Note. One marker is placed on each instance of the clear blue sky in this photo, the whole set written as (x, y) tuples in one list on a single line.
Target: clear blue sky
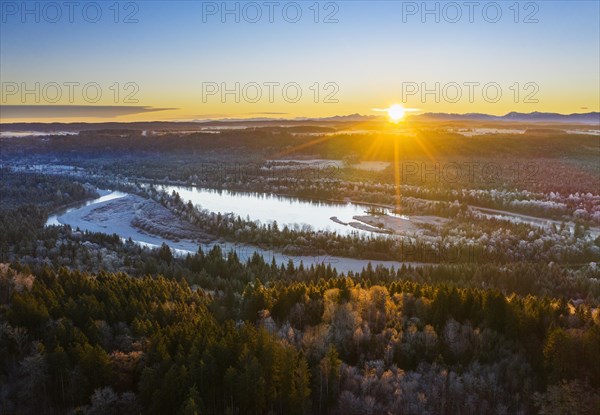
[(369, 53)]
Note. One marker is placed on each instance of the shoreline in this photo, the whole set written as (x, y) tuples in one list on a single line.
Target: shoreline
[(115, 218)]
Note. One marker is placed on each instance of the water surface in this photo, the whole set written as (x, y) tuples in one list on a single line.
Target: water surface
[(268, 208)]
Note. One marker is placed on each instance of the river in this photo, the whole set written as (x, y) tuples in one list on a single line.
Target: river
[(119, 223)]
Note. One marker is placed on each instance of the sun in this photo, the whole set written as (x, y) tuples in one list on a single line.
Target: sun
[(396, 112)]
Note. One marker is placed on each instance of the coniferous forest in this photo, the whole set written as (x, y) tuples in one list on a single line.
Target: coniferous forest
[(93, 324), (299, 207)]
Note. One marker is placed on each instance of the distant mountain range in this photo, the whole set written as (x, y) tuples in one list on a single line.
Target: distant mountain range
[(335, 118), (591, 118), (586, 118), (351, 117)]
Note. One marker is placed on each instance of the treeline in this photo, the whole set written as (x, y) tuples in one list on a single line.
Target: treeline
[(109, 343), (26, 201), (428, 191), (485, 241), (419, 143), (569, 164), (42, 190), (25, 239)]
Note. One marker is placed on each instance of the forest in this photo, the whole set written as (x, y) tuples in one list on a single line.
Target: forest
[(91, 324), (110, 343), (299, 208)]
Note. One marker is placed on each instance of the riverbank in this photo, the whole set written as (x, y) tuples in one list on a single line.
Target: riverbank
[(118, 216)]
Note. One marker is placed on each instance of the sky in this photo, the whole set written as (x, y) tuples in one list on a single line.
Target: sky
[(192, 60)]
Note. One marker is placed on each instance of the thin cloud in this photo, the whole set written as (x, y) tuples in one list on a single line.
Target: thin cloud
[(73, 111)]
